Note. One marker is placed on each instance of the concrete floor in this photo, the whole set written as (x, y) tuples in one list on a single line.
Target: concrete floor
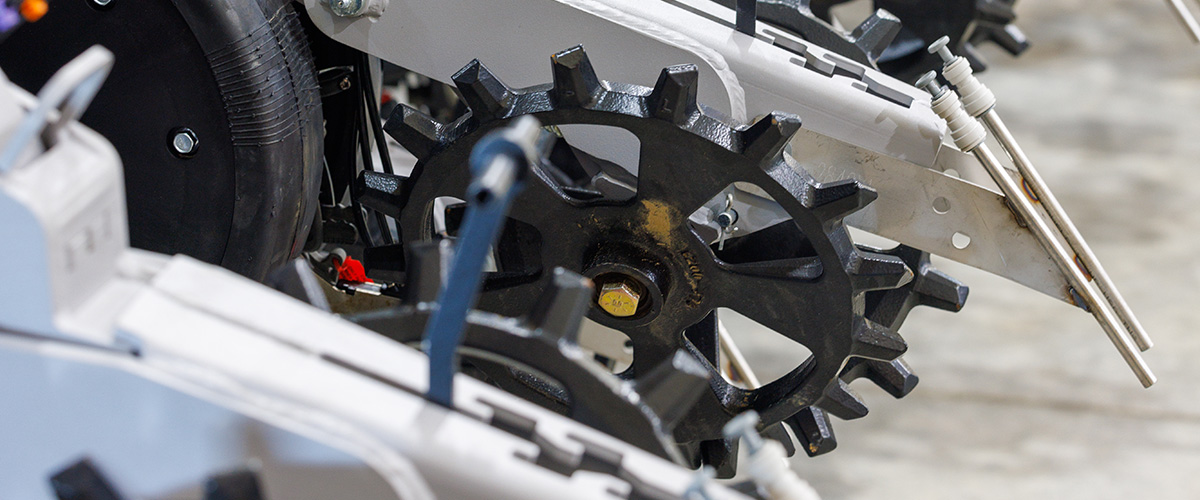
[(1022, 396)]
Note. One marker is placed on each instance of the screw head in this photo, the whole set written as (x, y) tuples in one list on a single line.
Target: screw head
[(618, 299), (184, 142), (102, 3), (346, 8)]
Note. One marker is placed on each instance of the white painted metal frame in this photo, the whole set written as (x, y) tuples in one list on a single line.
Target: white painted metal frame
[(165, 332), (846, 129)]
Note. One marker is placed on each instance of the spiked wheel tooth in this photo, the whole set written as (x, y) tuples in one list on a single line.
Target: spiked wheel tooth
[(380, 191), (1011, 39), (814, 431), (674, 96), (425, 270), (877, 271), (938, 289), (875, 33), (562, 306), (721, 454), (485, 94), (575, 82), (418, 132), (929, 287), (840, 401), (767, 137), (671, 388), (874, 341), (994, 23), (833, 201), (778, 433), (978, 63), (932, 287), (894, 376)]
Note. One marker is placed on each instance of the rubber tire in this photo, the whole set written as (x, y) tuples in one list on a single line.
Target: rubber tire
[(236, 72)]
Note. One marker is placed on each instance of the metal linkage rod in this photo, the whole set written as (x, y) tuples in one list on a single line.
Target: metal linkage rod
[(1185, 16), (969, 135), (498, 163), (981, 103), (737, 362), (1074, 239)]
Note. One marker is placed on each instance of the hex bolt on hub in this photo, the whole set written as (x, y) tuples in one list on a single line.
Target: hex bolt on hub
[(618, 299), (184, 142)]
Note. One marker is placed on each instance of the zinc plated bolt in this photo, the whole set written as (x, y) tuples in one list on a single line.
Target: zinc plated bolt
[(184, 142), (618, 299)]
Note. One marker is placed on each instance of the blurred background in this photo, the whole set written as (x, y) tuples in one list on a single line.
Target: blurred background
[(1024, 396)]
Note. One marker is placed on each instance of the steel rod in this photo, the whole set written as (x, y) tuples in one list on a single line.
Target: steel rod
[(1075, 276), (1074, 240), (1185, 16), (737, 362)]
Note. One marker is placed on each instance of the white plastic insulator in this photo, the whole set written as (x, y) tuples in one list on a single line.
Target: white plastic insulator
[(976, 97), (769, 470), (966, 131)]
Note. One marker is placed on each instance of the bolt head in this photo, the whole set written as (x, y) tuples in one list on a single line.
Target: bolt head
[(184, 142), (618, 299), (346, 8)]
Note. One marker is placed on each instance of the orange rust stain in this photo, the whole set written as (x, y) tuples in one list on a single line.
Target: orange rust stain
[(659, 221)]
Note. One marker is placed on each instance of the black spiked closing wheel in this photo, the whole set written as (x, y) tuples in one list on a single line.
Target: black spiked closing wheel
[(864, 44), (803, 278), (968, 23), (508, 351), (894, 37)]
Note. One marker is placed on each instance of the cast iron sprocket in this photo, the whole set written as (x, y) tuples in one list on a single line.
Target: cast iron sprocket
[(687, 157)]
